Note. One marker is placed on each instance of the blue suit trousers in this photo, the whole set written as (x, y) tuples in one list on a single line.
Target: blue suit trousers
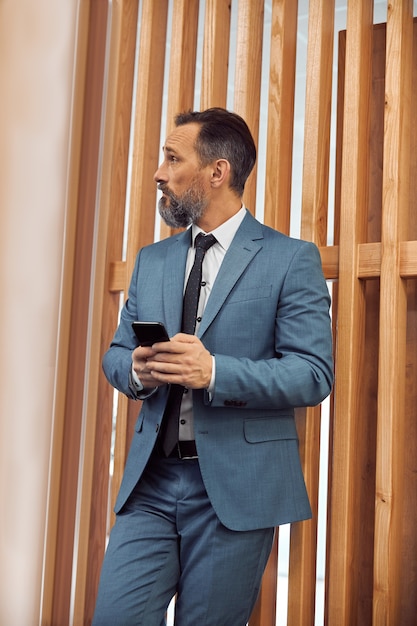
[(168, 540)]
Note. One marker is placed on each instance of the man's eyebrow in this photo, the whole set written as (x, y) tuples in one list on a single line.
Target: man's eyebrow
[(168, 149)]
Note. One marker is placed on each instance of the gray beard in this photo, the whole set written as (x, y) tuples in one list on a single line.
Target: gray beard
[(180, 212)]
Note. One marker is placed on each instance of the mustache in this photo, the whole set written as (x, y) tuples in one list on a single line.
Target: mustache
[(164, 188)]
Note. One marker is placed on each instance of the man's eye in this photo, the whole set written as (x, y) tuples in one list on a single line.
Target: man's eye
[(172, 158)]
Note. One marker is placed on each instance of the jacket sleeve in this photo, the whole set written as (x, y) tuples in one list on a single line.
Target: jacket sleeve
[(117, 361), (301, 372)]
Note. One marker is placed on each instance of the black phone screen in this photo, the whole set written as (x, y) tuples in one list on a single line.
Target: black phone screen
[(148, 333)]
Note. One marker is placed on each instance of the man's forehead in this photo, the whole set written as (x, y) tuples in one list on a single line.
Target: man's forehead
[(182, 138)]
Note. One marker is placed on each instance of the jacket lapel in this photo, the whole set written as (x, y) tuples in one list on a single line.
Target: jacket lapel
[(244, 247), (173, 281)]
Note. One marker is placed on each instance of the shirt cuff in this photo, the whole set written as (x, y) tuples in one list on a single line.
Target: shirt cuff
[(135, 380), (210, 388)]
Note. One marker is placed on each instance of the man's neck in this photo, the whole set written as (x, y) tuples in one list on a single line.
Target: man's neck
[(218, 212)]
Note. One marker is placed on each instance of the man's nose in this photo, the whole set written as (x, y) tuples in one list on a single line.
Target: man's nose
[(159, 174)]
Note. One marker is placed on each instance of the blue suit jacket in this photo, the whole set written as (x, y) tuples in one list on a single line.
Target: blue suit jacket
[(267, 323)]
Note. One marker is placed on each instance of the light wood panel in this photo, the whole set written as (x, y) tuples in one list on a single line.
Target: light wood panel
[(215, 54), (142, 198), (92, 526), (248, 77), (391, 433), (348, 454), (265, 609), (67, 450), (303, 553), (277, 202), (52, 571), (280, 114), (181, 82)]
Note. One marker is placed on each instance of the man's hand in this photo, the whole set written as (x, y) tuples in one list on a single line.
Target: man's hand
[(140, 358), (183, 361)]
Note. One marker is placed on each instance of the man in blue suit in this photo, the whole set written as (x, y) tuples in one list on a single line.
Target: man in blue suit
[(198, 520)]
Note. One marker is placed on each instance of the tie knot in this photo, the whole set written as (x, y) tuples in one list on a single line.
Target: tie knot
[(204, 241)]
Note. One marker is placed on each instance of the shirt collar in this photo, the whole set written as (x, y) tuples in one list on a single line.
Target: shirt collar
[(226, 231)]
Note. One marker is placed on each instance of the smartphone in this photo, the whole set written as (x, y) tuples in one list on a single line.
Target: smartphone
[(148, 333)]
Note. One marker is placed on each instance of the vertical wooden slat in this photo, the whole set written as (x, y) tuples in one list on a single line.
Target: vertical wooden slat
[(344, 520), (182, 66), (146, 149), (183, 58), (94, 468), (317, 121), (265, 610), (409, 535), (215, 54), (51, 566), (393, 314), (302, 571), (303, 538), (368, 406), (248, 77), (80, 258), (280, 114), (277, 204)]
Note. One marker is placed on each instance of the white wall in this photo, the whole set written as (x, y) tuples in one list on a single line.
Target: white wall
[(37, 44)]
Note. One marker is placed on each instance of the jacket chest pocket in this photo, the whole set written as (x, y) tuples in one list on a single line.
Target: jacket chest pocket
[(250, 293)]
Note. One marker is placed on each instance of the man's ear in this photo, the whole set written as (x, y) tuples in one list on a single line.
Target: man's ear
[(220, 172)]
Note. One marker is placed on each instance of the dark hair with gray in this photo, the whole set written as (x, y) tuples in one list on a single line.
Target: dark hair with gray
[(223, 135)]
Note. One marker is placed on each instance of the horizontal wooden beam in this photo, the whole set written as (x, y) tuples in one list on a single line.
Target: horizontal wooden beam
[(408, 259), (369, 260), (369, 263), (330, 261), (370, 255), (117, 272)]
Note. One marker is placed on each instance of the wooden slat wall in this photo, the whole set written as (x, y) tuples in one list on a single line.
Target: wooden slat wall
[(368, 526), (372, 502)]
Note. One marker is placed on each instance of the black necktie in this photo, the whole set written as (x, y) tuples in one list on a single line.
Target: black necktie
[(189, 317), (192, 291)]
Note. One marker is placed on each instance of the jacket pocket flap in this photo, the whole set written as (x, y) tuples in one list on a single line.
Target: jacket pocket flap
[(269, 429)]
